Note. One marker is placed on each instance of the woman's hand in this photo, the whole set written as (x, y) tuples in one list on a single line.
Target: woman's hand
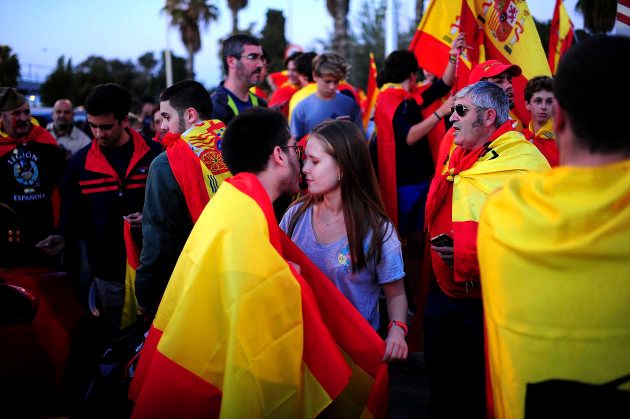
[(395, 345)]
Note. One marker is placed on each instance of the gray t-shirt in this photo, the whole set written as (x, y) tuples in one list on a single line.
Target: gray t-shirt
[(313, 110), (362, 288)]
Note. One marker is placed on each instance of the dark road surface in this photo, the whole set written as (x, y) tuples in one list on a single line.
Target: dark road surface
[(408, 388)]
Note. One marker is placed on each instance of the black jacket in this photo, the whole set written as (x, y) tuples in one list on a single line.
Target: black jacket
[(95, 199)]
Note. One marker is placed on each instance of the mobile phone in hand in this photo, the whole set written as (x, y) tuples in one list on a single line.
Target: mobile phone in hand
[(442, 240)]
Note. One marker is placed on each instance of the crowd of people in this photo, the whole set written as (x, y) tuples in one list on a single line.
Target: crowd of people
[(506, 243)]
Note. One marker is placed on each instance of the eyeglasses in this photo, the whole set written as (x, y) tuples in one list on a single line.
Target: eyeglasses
[(252, 57), (299, 150), (460, 109)]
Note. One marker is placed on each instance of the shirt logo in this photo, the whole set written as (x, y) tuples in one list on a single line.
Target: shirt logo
[(25, 169)]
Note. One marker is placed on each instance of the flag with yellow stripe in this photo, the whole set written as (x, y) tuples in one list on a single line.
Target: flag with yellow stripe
[(560, 35), (197, 164), (371, 94), (130, 304), (554, 259), (240, 333)]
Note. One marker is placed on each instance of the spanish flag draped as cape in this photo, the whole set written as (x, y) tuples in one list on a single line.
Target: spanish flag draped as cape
[(240, 333), (545, 140), (554, 254), (197, 164), (389, 98), (459, 191)]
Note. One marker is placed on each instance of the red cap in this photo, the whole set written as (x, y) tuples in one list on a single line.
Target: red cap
[(492, 68)]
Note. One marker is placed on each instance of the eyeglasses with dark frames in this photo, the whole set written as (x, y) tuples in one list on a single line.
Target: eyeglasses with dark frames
[(299, 150)]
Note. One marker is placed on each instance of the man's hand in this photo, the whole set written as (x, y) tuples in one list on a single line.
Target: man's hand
[(445, 110), (445, 252), (51, 246), (134, 219), (458, 45), (395, 345)]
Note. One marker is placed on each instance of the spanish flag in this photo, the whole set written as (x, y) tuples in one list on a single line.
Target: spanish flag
[(510, 36), (503, 31), (240, 333), (197, 164), (130, 304), (371, 95), (554, 255), (560, 35)]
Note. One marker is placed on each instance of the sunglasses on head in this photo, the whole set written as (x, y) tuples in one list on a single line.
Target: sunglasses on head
[(460, 109)]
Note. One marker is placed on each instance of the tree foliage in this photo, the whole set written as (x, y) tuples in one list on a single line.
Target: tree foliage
[(144, 78), (9, 67), (273, 40), (188, 15), (369, 36), (235, 6), (338, 9), (599, 15)]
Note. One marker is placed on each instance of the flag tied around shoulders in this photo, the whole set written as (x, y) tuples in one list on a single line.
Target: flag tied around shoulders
[(569, 320), (495, 30), (240, 333), (560, 35), (197, 164), (371, 94), (130, 304)]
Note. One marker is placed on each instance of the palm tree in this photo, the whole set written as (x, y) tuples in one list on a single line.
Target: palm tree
[(235, 6), (188, 15), (599, 15), (338, 9)]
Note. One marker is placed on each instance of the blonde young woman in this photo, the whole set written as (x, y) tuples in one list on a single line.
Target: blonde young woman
[(342, 227)]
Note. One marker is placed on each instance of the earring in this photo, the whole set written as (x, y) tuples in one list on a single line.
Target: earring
[(339, 178)]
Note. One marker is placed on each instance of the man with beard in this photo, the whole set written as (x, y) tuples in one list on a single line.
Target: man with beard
[(487, 151), (243, 61), (31, 168), (181, 182), (63, 130)]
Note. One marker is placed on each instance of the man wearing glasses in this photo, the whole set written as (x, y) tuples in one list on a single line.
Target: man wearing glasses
[(243, 62), (487, 152), (241, 328)]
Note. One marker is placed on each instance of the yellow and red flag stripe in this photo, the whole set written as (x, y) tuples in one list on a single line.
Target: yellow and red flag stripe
[(197, 164), (371, 94), (503, 31), (437, 30), (130, 304), (469, 178), (560, 35), (243, 334), (554, 257)]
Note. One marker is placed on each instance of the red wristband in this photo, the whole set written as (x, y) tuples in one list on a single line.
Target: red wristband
[(402, 325)]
